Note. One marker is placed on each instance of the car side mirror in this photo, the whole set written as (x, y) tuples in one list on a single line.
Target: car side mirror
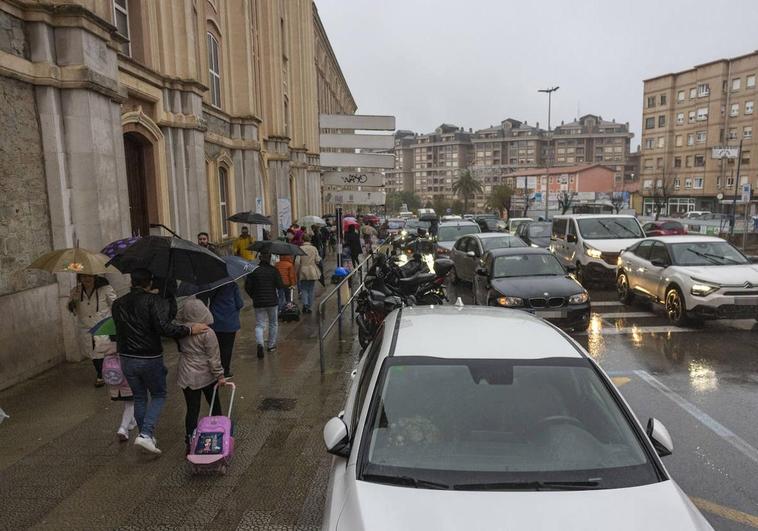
[(336, 437), (660, 437), (471, 254), (571, 238), (481, 271)]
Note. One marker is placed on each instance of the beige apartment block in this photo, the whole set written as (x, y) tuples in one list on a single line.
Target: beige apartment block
[(400, 178), (438, 159), (684, 116), (117, 115)]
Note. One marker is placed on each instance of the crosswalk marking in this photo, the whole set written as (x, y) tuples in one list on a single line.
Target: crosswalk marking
[(631, 330), (606, 303), (628, 315)]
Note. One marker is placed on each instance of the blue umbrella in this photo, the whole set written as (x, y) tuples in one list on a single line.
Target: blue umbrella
[(236, 267)]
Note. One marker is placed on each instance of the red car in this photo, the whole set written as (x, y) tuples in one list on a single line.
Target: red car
[(664, 228)]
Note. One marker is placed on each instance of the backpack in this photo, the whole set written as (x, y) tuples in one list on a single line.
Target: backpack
[(112, 373)]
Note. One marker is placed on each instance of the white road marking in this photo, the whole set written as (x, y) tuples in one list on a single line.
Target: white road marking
[(605, 303), (719, 429), (621, 315), (630, 330)]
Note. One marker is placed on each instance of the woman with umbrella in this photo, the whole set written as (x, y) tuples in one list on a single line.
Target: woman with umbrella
[(90, 301), (353, 242)]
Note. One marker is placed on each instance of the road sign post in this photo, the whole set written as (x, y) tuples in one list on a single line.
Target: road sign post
[(746, 193)]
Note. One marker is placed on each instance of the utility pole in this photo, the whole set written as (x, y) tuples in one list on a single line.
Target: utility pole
[(733, 221), (549, 92)]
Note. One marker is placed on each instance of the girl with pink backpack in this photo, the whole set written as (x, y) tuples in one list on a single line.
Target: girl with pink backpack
[(118, 388)]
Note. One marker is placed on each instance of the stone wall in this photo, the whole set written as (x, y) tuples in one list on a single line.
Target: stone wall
[(13, 36), (24, 215)]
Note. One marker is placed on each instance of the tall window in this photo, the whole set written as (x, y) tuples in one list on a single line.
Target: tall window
[(214, 71), (223, 200), (121, 19)]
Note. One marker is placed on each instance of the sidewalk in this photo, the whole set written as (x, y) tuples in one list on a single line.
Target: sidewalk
[(62, 467)]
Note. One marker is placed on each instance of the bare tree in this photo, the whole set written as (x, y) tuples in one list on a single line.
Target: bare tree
[(662, 188), (565, 200), (617, 195)]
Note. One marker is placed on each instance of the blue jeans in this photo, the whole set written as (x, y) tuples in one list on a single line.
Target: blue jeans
[(284, 297), (307, 287), (262, 315), (146, 375)]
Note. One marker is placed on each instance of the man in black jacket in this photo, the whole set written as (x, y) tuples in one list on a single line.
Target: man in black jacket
[(142, 317), (261, 285)]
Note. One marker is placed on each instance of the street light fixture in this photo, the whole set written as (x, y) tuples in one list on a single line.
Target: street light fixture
[(549, 92)]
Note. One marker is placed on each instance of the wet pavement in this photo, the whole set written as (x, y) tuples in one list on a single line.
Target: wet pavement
[(701, 382), (62, 467)]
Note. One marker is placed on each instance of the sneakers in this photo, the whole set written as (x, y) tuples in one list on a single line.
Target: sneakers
[(99, 382), (272, 348), (260, 351), (123, 434), (147, 444)]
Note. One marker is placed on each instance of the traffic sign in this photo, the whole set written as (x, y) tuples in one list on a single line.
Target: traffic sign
[(349, 197)]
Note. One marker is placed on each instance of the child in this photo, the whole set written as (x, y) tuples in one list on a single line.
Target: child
[(286, 268), (199, 364), (117, 385)]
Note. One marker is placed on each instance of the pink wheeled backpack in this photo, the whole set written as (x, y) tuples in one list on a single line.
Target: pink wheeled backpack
[(212, 444)]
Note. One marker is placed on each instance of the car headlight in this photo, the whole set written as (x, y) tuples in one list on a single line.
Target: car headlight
[(579, 298), (701, 290), (534, 245), (510, 301), (403, 233), (592, 252)]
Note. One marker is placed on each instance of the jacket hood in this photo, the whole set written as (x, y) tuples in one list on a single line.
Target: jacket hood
[(194, 311)]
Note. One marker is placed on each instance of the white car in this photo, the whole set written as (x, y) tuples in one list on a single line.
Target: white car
[(695, 214), (444, 432), (589, 244), (513, 224), (694, 277), (449, 231)]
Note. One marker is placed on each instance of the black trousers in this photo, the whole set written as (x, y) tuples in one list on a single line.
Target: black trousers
[(192, 398), (98, 363), (226, 346)]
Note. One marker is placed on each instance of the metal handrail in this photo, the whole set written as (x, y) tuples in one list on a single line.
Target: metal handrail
[(322, 334)]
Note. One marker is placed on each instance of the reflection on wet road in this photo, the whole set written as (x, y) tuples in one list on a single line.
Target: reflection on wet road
[(701, 382)]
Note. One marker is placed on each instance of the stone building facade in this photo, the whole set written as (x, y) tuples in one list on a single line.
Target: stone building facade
[(125, 114)]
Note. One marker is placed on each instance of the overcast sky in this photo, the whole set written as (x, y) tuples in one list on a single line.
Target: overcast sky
[(476, 62)]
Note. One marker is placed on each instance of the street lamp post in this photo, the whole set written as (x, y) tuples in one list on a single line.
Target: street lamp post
[(549, 92)]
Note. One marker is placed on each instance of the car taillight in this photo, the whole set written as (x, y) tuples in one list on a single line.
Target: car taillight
[(442, 250)]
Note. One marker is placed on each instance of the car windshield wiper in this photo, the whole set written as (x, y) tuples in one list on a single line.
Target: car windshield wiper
[(405, 480), (711, 255), (627, 229), (707, 256), (531, 485)]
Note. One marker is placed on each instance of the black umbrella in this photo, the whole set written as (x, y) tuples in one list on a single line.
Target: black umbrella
[(277, 247), (171, 257), (250, 217)]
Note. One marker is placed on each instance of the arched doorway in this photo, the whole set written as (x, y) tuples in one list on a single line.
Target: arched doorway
[(140, 178)]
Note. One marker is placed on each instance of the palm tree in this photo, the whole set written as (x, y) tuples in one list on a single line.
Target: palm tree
[(466, 186), (500, 198)]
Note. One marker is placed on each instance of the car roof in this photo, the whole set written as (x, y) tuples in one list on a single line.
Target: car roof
[(507, 251), (686, 239), (593, 216), (497, 333)]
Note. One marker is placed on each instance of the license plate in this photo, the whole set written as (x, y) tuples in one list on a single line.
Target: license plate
[(553, 314)]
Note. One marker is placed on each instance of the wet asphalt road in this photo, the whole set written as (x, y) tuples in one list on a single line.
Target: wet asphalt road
[(702, 383)]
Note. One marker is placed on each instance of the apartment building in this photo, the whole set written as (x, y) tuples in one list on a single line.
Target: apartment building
[(438, 159), (685, 116), (400, 178)]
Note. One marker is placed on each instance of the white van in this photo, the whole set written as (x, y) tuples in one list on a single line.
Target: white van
[(590, 244)]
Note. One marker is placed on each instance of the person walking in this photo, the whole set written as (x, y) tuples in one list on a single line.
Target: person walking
[(203, 240), (286, 268), (316, 240), (225, 304), (241, 245), (141, 318), (261, 285), (308, 272), (326, 239), (90, 301), (200, 365), (353, 243), (369, 233), (118, 387)]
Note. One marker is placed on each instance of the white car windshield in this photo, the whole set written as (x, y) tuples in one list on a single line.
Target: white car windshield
[(537, 230), (706, 254), (497, 425), (453, 232), (610, 228), (526, 265)]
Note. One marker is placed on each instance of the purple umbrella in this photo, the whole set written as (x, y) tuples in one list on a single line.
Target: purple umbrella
[(114, 248)]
